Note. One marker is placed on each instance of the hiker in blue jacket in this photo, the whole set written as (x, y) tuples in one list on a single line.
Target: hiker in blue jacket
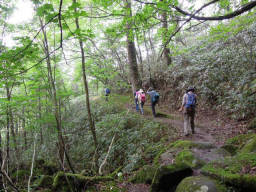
[(154, 96), (107, 93), (188, 107)]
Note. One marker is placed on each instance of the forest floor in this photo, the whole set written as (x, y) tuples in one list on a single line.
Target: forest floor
[(210, 126)]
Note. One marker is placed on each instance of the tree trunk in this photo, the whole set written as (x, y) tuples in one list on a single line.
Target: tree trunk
[(166, 51), (53, 94), (24, 128), (91, 121), (133, 66)]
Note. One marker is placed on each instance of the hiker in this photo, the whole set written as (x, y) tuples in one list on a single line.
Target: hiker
[(107, 93), (188, 105), (154, 97), (141, 100), (135, 94)]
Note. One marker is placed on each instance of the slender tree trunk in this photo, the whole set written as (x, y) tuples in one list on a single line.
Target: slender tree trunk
[(91, 121), (166, 51), (40, 116), (53, 92), (24, 128), (10, 118), (133, 66), (139, 56), (149, 64), (1, 161)]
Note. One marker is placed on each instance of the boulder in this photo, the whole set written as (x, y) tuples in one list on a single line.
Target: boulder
[(199, 184), (237, 171), (168, 177)]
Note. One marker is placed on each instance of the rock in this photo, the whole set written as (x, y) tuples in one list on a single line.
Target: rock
[(235, 144), (168, 177), (144, 175), (236, 171), (250, 146), (199, 184)]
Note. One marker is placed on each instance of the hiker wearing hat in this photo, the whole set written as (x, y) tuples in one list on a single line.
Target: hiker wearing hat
[(188, 108), (141, 100), (136, 94)]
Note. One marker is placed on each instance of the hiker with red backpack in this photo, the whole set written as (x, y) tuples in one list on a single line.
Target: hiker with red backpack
[(141, 100), (189, 105)]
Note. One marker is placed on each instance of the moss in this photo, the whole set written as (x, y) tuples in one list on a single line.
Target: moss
[(250, 146), (165, 174), (189, 159), (75, 181), (200, 184), (161, 150), (144, 175), (240, 140), (43, 167), (234, 171), (232, 149)]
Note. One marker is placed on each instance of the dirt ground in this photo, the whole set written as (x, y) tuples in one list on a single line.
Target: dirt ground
[(210, 126)]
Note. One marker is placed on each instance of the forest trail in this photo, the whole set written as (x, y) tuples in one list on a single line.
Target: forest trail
[(174, 120), (205, 132)]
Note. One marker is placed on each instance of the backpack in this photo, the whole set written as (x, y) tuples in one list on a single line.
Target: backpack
[(191, 102), (155, 97), (142, 97), (107, 91)]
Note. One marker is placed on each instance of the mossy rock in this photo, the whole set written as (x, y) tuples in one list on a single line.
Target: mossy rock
[(168, 177), (75, 181), (250, 146), (144, 175), (252, 124), (234, 171), (239, 141), (188, 158), (199, 184)]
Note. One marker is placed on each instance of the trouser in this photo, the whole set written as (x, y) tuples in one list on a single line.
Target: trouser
[(141, 108), (153, 109), (106, 95), (137, 104), (189, 117)]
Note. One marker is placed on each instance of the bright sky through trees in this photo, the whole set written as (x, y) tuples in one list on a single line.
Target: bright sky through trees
[(22, 13)]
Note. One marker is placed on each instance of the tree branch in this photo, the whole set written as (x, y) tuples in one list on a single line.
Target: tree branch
[(60, 24), (223, 17)]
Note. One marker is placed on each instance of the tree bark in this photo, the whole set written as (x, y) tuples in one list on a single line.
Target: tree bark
[(53, 93), (166, 51), (133, 66), (91, 121)]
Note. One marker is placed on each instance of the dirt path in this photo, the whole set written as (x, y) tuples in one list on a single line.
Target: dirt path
[(175, 120), (209, 128)]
